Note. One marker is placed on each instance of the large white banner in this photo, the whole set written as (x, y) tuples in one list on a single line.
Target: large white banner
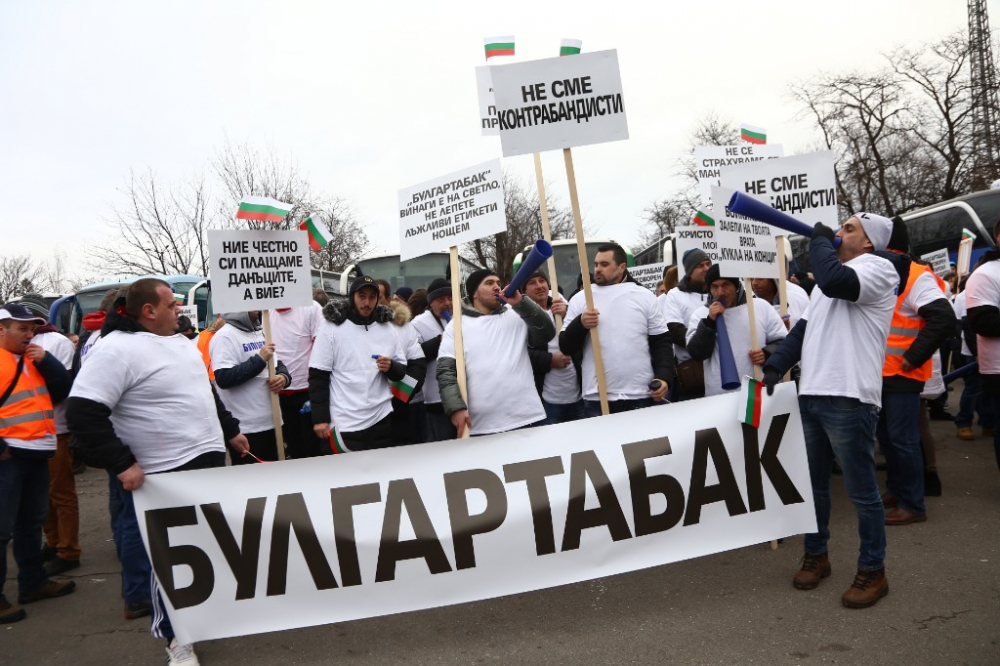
[(451, 210), (274, 546), (559, 103), (259, 270), (709, 160)]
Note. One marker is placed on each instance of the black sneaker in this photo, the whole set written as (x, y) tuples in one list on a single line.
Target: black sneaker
[(137, 610), (58, 565), (47, 553), (941, 415), (932, 484)]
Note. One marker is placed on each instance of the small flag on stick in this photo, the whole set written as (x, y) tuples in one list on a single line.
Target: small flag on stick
[(570, 47), (313, 227), (703, 219), (751, 134), (751, 398), (262, 209), (499, 46), (968, 235), (403, 389), (337, 442)]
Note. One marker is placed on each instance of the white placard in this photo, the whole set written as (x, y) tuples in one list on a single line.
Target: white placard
[(487, 105), (559, 103), (189, 311), (803, 186), (259, 270), (747, 248), (709, 160), (691, 237), (649, 275), (939, 261), (388, 531), (451, 210)]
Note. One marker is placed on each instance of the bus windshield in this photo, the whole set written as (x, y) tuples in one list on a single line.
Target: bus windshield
[(413, 273)]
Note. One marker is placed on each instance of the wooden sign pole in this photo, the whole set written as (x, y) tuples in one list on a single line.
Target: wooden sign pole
[(456, 318), (752, 314), (275, 406), (547, 234), (595, 340)]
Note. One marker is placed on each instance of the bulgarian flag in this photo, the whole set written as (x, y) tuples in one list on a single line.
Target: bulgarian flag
[(751, 397), (317, 241), (403, 389), (337, 442), (968, 235), (262, 209), (179, 299), (498, 46), (703, 219), (570, 47), (752, 134)]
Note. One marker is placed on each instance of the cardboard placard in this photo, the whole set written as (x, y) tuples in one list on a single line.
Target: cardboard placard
[(747, 248), (559, 103), (939, 261), (451, 210), (488, 123), (691, 237), (649, 275), (709, 160), (259, 270)]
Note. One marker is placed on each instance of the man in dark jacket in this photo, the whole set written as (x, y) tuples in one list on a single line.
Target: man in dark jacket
[(677, 306)]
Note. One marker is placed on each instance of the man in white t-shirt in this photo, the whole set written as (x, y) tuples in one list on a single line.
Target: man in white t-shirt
[(982, 298), (142, 404), (635, 342), (677, 306), (430, 326), (293, 331), (729, 301), (973, 400), (496, 335), (840, 341), (557, 377), (357, 358), (921, 323), (240, 356)]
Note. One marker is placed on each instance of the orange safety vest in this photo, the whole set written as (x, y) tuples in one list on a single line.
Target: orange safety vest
[(203, 339), (27, 414), (904, 330)]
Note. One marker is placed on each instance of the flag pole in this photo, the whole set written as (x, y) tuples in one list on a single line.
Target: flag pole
[(547, 234), (456, 320), (275, 407), (581, 246), (752, 314)]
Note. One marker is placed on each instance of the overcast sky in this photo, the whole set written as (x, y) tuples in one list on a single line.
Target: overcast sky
[(369, 99)]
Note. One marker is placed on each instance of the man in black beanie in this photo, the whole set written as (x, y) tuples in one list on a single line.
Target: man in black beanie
[(496, 333), (677, 306), (430, 327)]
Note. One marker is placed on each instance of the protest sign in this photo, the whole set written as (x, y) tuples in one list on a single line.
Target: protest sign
[(189, 311), (709, 160), (649, 275), (689, 238), (747, 248), (487, 106), (259, 270), (451, 210), (939, 261), (803, 186), (260, 548), (559, 103)]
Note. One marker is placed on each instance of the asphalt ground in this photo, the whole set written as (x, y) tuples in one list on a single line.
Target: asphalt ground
[(733, 607)]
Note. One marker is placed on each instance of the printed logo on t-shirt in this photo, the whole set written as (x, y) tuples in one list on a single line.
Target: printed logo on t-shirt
[(252, 346)]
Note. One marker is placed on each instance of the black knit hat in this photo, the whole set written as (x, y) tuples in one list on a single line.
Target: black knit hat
[(537, 274), (475, 279), (359, 283), (439, 289), (900, 238), (714, 274)]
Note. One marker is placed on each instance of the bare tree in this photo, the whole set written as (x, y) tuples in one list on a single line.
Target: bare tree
[(662, 219), (20, 275), (524, 227)]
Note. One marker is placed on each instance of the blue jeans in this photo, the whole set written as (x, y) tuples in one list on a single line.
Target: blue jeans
[(899, 437), (845, 427), (571, 411), (973, 400), (128, 543), (24, 505), (593, 407)]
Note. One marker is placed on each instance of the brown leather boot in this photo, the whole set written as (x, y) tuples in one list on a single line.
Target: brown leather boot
[(867, 589), (814, 568)]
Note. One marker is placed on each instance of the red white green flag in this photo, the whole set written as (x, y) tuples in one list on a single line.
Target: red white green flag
[(499, 46), (403, 389), (570, 47), (751, 398), (337, 442), (751, 134), (968, 235), (179, 299), (262, 209), (313, 227), (703, 219)]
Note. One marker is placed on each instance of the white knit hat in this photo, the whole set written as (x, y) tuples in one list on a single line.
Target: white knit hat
[(877, 228)]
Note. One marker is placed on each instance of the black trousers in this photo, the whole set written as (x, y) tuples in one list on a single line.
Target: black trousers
[(263, 444), (300, 440)]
